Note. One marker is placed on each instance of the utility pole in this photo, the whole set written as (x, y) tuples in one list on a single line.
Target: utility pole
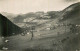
[(32, 29), (24, 22)]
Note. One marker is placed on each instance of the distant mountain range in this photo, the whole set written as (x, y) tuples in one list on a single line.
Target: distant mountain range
[(71, 14), (9, 15)]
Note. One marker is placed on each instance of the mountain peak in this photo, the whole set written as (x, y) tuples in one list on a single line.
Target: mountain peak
[(72, 7)]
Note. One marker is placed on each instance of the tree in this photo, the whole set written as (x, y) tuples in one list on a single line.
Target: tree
[(52, 14), (73, 28)]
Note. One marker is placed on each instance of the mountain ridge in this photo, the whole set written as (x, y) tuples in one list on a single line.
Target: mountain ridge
[(71, 14), (7, 28)]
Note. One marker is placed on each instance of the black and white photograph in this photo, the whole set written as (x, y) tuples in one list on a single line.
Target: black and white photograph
[(39, 25)]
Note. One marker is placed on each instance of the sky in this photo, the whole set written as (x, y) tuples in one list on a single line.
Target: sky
[(25, 6)]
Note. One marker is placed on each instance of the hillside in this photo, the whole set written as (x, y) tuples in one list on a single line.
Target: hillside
[(51, 31), (72, 14), (7, 28)]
